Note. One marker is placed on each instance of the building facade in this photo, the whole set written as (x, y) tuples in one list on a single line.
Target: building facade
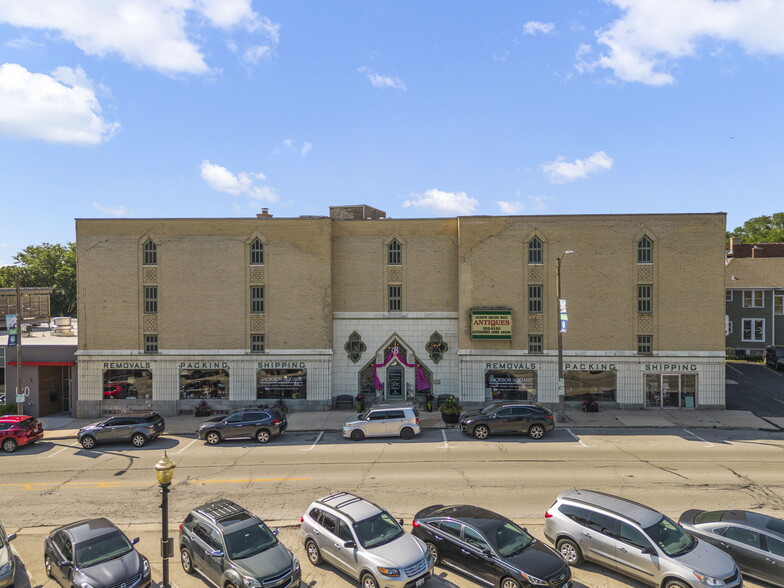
[(241, 311)]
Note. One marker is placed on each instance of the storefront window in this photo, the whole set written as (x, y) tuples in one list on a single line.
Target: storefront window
[(581, 385), (204, 384), (127, 384), (510, 385), (289, 384), (670, 390)]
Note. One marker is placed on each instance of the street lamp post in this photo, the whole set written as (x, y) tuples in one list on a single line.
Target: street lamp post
[(561, 390), (164, 471)]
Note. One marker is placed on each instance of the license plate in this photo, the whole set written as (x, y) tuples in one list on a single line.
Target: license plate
[(420, 582)]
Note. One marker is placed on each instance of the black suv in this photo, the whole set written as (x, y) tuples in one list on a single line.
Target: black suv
[(249, 423), (137, 429), (774, 356), (508, 417), (230, 546)]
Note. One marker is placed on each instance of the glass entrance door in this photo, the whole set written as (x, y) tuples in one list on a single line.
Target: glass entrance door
[(670, 390), (396, 382)]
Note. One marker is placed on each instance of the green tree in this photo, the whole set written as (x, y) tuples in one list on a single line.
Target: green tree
[(46, 266), (762, 229)]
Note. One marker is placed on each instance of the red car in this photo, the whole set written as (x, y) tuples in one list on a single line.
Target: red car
[(16, 430)]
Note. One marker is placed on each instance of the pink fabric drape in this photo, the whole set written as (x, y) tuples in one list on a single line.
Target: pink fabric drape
[(421, 378)]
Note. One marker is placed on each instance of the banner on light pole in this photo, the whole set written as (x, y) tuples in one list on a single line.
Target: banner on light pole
[(563, 319), (13, 330)]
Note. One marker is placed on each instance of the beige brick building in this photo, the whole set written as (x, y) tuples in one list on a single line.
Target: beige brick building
[(240, 311)]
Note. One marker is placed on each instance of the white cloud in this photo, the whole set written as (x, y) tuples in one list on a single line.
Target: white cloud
[(380, 81), (651, 35), (444, 202), (147, 33), (61, 108), (510, 207), (116, 212), (256, 53), (222, 180), (23, 43), (561, 171), (289, 146), (532, 27)]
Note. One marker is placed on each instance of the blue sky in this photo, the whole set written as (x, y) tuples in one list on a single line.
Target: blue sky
[(429, 108)]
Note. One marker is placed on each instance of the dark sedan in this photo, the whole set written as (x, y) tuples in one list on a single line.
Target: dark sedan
[(94, 553), (755, 541), (489, 548), (508, 417)]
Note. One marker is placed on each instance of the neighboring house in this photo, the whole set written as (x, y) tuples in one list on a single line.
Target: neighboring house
[(755, 304), (755, 250)]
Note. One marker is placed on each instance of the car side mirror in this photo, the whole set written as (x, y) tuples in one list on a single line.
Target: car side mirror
[(349, 545), (134, 541), (648, 551), (275, 532), (11, 537), (487, 553), (400, 522), (65, 564), (216, 553)]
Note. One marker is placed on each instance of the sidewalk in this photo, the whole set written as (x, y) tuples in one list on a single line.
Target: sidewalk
[(65, 427)]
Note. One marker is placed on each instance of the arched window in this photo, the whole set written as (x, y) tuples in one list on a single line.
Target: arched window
[(150, 250), (395, 253), (645, 250), (257, 252), (535, 250)]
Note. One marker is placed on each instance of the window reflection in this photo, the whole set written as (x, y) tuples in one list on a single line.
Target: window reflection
[(289, 384), (127, 384), (204, 384), (581, 385)]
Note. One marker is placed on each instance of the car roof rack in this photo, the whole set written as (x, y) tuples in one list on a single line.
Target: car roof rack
[(220, 509)]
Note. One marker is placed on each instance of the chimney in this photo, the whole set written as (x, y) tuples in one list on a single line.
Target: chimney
[(264, 213), (734, 242), (756, 251)]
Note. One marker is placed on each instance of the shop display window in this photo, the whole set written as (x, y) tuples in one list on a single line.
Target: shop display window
[(204, 384), (127, 384), (288, 384), (599, 385), (670, 390), (510, 385)]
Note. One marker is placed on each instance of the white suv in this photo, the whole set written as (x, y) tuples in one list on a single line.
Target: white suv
[(384, 420), (364, 541)]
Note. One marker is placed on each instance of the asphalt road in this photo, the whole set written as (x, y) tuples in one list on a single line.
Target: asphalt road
[(756, 388), (670, 469)]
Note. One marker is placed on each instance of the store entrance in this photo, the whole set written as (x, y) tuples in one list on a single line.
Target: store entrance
[(670, 390)]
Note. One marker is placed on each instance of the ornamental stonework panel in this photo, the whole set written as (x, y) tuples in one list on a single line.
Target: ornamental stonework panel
[(257, 275), (535, 274), (395, 274), (645, 324), (535, 323), (644, 273), (150, 275), (257, 323), (150, 323)]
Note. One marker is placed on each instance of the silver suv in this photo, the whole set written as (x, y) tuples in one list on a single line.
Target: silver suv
[(384, 420), (364, 541), (636, 541)]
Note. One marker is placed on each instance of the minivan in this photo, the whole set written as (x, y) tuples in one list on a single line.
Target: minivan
[(636, 541)]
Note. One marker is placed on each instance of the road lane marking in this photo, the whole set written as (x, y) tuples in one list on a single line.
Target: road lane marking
[(320, 435), (777, 400), (729, 365), (61, 450), (443, 435), (31, 486), (580, 441), (732, 382), (698, 437), (186, 447)]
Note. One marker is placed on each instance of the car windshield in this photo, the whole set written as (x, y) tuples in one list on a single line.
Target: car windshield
[(96, 551), (490, 408), (361, 416), (509, 539), (377, 530), (671, 537), (249, 541)]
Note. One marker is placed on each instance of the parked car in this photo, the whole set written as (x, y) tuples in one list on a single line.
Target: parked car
[(489, 548), (7, 561), (635, 541), (136, 429), (250, 423), (94, 552), (774, 356), (364, 541), (383, 420), (18, 430), (508, 417), (755, 541), (230, 546)]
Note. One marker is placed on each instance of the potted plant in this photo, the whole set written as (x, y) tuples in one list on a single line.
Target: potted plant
[(360, 402), (202, 409), (450, 410), (429, 401)]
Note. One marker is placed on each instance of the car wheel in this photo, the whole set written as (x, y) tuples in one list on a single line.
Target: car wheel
[(185, 559), (570, 552), (407, 433), (263, 436), (510, 583), (48, 566), (433, 551), (138, 440), (88, 442), (229, 585), (536, 431), (10, 445), (675, 584), (213, 438), (357, 435), (314, 555), (481, 432), (368, 581)]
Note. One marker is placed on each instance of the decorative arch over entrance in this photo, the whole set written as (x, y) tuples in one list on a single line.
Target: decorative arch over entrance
[(395, 373)]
